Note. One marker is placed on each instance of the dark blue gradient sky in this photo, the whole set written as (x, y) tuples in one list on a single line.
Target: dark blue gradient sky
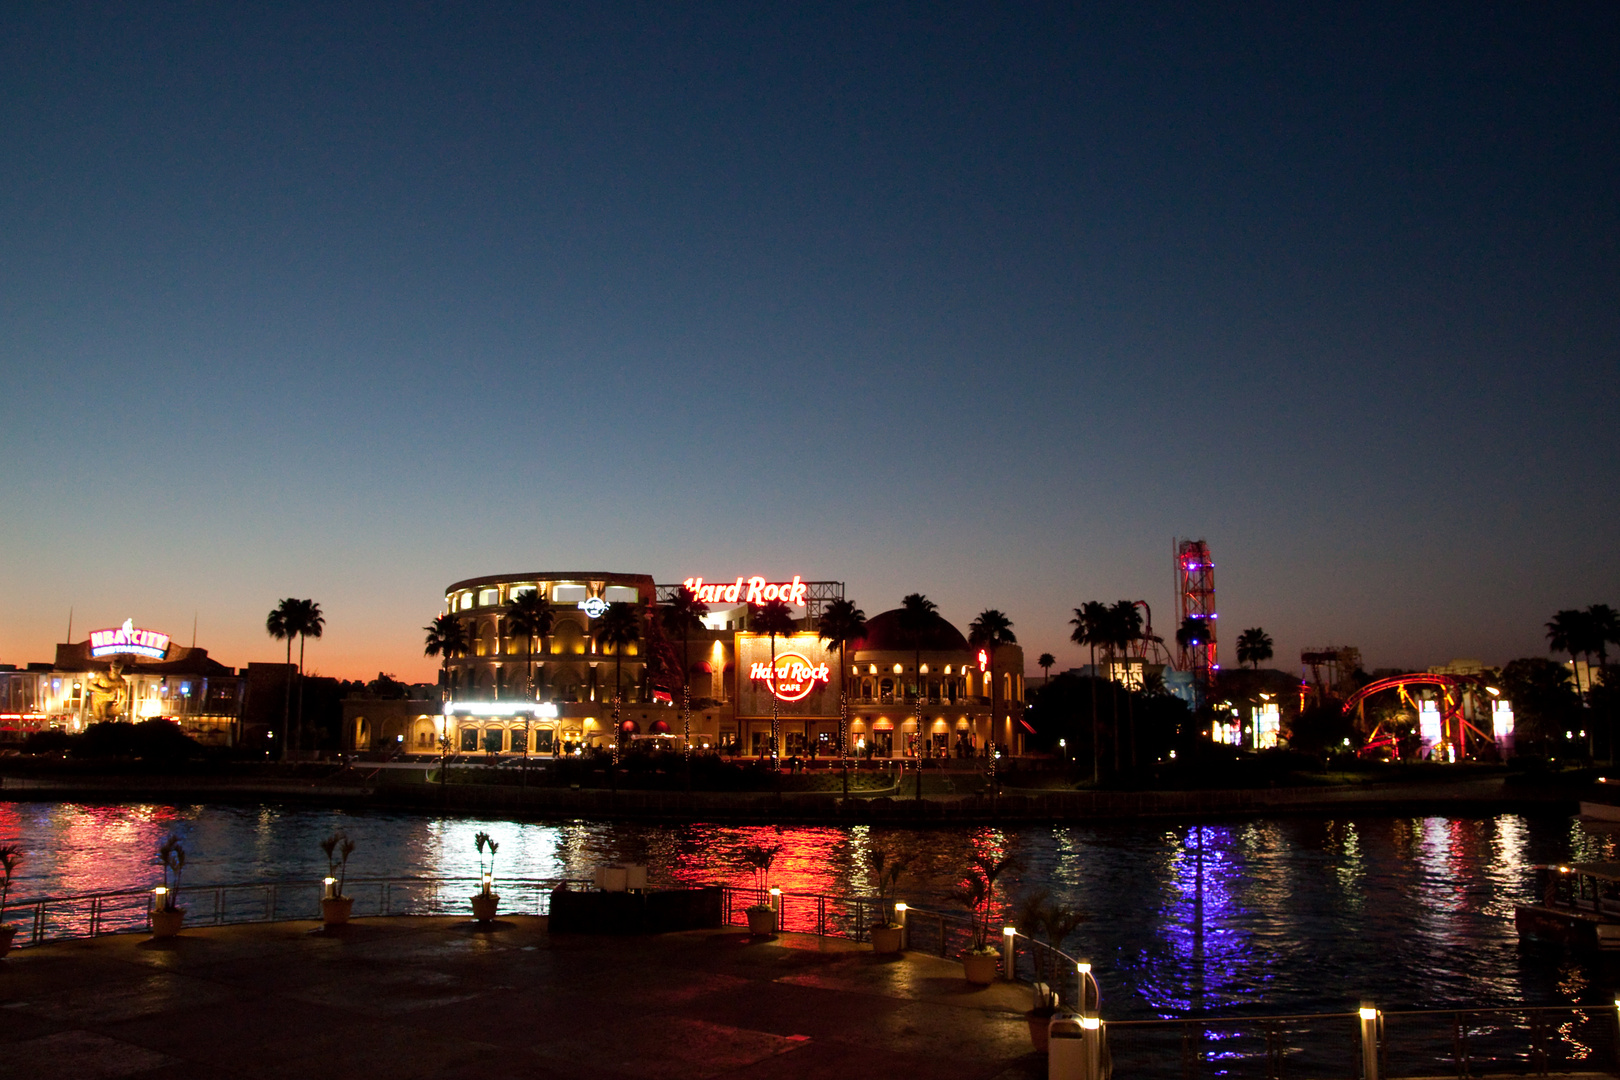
[(987, 303)]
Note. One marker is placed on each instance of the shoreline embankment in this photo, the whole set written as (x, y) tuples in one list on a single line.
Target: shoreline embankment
[(1465, 797)]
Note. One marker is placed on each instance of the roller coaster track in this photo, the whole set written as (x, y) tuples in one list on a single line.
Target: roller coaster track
[(1454, 726)]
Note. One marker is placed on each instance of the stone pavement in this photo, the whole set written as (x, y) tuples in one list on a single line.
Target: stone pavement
[(390, 999)]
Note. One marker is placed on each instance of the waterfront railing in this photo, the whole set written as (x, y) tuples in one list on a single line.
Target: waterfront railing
[(84, 915)]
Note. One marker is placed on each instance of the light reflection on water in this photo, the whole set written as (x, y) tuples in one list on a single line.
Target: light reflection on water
[(1266, 915)]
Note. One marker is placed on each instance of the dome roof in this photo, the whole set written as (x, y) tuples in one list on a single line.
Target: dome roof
[(886, 633)]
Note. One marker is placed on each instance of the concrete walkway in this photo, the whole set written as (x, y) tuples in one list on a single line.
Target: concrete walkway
[(388, 999)]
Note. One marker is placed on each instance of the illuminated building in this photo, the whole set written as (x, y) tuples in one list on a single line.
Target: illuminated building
[(489, 707), (126, 674)]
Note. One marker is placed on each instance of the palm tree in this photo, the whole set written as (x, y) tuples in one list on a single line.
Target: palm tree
[(1090, 624), (1253, 646), (620, 627), (991, 630), (446, 638), (774, 618), (1045, 662), (682, 616), (1124, 627), (917, 615), (304, 618), (1570, 631), (841, 624), (277, 624), (1190, 632), (529, 616), (1603, 622)]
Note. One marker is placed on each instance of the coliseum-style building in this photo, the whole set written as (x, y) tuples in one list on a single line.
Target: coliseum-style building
[(890, 680)]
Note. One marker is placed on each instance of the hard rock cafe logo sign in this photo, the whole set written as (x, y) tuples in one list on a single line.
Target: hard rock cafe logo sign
[(754, 590), (793, 678), (129, 639)]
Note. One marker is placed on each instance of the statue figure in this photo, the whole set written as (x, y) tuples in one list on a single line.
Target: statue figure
[(108, 694)]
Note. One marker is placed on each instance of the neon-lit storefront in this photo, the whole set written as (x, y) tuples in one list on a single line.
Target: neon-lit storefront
[(906, 694), (123, 673)]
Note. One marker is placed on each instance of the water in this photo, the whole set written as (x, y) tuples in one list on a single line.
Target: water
[(1275, 915)]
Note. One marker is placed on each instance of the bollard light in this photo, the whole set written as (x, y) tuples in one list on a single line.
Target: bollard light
[(1369, 1013), (1090, 1023), (1009, 931), (905, 926), (331, 886), (1083, 967)]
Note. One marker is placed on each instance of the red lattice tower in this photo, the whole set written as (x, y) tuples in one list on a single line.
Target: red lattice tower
[(1195, 593)]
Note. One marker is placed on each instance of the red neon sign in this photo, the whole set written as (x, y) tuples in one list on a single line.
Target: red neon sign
[(984, 660), (754, 590), (793, 678)]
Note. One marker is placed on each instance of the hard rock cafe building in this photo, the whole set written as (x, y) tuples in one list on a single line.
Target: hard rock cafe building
[(928, 694)]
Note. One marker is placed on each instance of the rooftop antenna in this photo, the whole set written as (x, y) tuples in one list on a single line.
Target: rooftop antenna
[(69, 639), (193, 629)]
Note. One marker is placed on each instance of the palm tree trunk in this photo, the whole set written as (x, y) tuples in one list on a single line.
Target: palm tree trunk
[(299, 746), (1096, 740), (776, 719), (286, 707), (993, 719)]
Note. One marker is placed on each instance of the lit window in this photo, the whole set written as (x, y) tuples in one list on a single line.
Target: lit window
[(567, 594), (898, 669), (924, 669), (621, 594), (489, 596)]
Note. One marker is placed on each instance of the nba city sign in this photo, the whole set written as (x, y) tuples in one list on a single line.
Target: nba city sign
[(754, 590), (129, 639)]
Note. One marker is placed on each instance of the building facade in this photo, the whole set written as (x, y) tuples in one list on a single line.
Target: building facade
[(124, 674), (904, 695)]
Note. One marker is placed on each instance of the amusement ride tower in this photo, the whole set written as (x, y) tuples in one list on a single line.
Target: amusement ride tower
[(1195, 598)]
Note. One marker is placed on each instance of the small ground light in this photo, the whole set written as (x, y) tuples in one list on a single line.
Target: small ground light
[(1090, 1023), (1009, 931), (900, 908), (1083, 967), (1370, 1013)]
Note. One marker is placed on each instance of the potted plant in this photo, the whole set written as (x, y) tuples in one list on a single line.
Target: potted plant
[(1054, 922), (10, 856), (887, 931), (978, 895), (486, 899), (761, 915), (335, 907), (167, 914)]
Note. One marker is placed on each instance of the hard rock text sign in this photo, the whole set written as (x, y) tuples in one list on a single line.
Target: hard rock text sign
[(754, 590)]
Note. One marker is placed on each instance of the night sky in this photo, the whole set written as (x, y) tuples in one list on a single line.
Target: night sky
[(350, 302)]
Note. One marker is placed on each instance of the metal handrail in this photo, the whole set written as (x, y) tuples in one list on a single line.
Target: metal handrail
[(82, 915)]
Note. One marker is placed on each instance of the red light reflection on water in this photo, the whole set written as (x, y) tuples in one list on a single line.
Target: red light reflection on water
[(97, 849)]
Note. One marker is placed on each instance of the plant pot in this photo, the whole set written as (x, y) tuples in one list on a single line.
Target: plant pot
[(1040, 1029), (980, 967), (335, 910), (484, 905), (7, 932), (761, 921), (886, 940), (166, 923)]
